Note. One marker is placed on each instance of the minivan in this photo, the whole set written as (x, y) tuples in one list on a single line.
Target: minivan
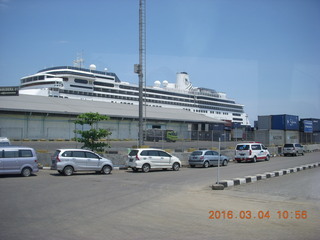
[(150, 158), (251, 152), (18, 160), (68, 161)]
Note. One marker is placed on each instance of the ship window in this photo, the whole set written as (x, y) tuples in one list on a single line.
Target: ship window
[(83, 81), (103, 84), (41, 77)]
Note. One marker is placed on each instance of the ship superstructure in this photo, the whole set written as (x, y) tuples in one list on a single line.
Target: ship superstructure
[(90, 84)]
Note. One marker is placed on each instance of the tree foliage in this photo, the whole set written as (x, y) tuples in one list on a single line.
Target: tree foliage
[(91, 138)]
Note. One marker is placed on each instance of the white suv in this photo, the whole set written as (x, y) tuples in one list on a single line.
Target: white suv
[(67, 161), (251, 151), (292, 149), (149, 158)]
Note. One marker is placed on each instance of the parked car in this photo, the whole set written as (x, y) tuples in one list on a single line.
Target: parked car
[(149, 158), (251, 152), (4, 141), (68, 161), (206, 158), (292, 149), (18, 160)]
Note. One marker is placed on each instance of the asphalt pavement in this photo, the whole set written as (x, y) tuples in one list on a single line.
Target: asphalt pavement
[(164, 204)]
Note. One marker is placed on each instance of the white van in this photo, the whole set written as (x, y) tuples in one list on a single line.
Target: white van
[(251, 152), (150, 158), (18, 160)]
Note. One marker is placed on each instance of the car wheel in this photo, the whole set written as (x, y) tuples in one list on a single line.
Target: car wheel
[(106, 169), (26, 172), (68, 171), (302, 153), (267, 158), (206, 164), (224, 163), (176, 167), (135, 169), (146, 168), (254, 159), (61, 172), (192, 166)]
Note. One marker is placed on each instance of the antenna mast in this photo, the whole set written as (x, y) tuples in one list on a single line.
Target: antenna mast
[(79, 61), (140, 68)]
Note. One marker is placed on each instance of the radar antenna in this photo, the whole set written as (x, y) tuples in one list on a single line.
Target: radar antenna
[(79, 61)]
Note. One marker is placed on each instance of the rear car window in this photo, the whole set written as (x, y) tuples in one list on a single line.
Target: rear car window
[(288, 145), (133, 153), (196, 153), (243, 147)]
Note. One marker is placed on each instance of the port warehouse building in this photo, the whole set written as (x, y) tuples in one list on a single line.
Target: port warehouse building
[(47, 118)]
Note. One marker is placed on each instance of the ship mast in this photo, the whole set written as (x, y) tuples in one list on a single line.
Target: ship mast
[(140, 68)]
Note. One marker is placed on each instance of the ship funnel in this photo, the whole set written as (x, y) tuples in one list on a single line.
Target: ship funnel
[(183, 82)]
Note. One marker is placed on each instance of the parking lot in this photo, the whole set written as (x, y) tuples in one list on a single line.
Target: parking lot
[(164, 204)]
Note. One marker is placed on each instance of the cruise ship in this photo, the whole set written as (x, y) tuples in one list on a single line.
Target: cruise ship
[(90, 84)]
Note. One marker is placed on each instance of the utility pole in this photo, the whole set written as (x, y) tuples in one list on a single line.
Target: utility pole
[(140, 68)]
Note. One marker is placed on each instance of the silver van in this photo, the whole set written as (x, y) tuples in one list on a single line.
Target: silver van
[(67, 161), (18, 160)]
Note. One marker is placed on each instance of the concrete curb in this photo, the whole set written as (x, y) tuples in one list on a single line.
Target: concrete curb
[(257, 177)]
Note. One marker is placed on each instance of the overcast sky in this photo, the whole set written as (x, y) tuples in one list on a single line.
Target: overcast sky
[(265, 54)]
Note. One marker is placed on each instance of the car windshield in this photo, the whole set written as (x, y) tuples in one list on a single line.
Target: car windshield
[(243, 147)]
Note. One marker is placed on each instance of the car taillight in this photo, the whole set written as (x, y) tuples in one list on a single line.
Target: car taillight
[(250, 152), (58, 159), (202, 157), (137, 158)]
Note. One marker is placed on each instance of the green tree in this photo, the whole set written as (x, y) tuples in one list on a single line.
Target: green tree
[(91, 138)]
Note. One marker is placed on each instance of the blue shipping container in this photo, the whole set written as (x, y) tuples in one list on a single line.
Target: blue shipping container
[(285, 122), (315, 123), (306, 126)]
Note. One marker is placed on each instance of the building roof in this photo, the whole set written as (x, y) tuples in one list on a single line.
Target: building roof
[(64, 106)]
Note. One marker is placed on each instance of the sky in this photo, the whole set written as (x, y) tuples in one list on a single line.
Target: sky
[(264, 54)]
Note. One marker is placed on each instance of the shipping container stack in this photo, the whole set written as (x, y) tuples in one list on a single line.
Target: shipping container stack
[(310, 130), (277, 130)]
